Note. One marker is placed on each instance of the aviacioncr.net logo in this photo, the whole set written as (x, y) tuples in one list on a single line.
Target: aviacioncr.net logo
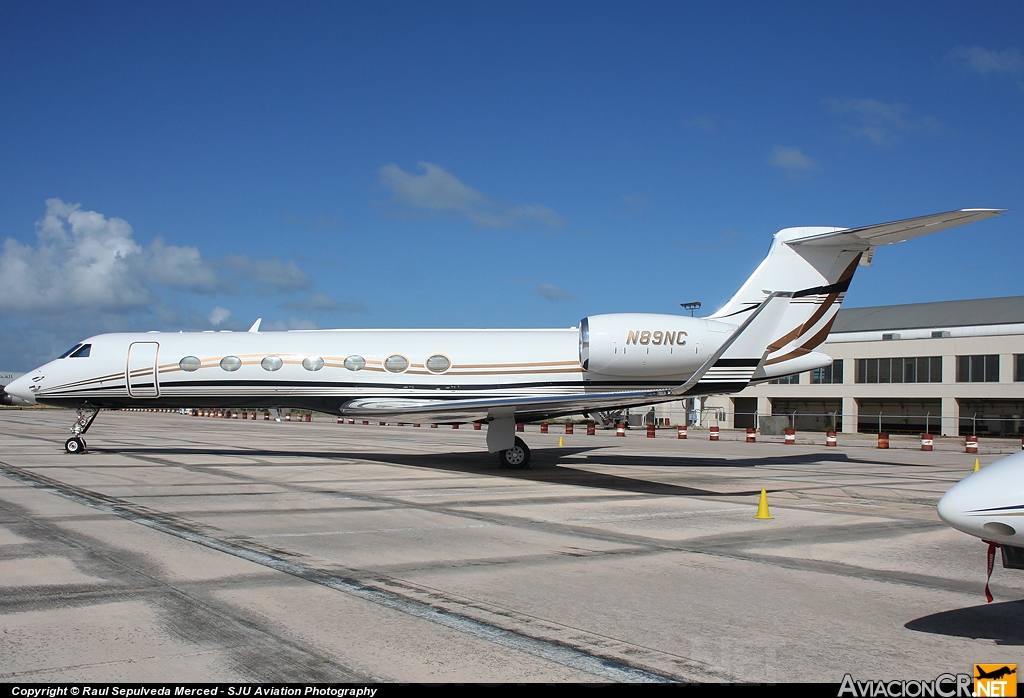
[(943, 686)]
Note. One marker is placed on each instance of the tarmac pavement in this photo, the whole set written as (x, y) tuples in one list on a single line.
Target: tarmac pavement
[(184, 548)]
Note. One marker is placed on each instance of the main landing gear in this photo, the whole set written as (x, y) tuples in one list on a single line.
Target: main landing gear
[(515, 458), (86, 416)]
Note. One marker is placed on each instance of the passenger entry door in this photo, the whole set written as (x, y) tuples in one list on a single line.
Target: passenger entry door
[(141, 373)]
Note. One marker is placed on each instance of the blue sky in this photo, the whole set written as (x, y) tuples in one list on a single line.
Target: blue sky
[(197, 165)]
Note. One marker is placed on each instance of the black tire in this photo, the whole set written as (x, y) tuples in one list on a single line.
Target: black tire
[(515, 458), (74, 445)]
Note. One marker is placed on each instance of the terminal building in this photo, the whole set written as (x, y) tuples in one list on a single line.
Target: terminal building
[(951, 368)]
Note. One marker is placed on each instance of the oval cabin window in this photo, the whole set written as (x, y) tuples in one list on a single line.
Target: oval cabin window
[(271, 363), (231, 363), (355, 363), (312, 363), (190, 363), (438, 363), (396, 363)]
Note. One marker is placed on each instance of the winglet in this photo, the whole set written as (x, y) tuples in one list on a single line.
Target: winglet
[(730, 369), (256, 325)]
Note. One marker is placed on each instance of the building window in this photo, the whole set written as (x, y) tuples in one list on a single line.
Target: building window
[(977, 369), (791, 379), (828, 374), (921, 369), (1018, 367)]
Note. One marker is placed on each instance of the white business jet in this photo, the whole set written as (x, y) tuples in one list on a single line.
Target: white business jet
[(770, 328), (989, 504)]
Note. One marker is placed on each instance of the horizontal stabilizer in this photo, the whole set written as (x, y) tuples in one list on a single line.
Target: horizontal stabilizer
[(897, 231)]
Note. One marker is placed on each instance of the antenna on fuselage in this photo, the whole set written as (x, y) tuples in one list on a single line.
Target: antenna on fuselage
[(256, 325)]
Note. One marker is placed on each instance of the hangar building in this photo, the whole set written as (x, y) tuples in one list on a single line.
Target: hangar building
[(950, 368)]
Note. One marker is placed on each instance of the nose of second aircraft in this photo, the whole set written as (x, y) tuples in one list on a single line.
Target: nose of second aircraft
[(988, 504), (947, 509)]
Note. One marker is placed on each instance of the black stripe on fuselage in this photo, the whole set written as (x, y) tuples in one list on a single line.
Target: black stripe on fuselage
[(723, 363)]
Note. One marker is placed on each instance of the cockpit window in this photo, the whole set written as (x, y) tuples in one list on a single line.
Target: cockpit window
[(68, 352), (82, 352)]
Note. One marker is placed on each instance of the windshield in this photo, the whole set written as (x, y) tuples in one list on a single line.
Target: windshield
[(68, 352)]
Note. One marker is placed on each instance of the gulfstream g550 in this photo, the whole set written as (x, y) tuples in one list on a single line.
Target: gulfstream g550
[(771, 327)]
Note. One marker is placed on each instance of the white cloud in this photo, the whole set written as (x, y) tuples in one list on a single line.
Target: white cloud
[(879, 122), (792, 161), (84, 261), (553, 293), (990, 62), (439, 190), (81, 261), (85, 273), (219, 315)]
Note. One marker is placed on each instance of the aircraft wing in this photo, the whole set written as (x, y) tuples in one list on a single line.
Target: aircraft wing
[(728, 370), (897, 231)]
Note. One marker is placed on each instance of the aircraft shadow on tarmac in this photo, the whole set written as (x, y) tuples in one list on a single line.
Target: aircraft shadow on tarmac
[(1000, 622), (553, 466)]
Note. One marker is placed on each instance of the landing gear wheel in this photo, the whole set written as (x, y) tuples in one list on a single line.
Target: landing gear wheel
[(74, 445), (517, 457)]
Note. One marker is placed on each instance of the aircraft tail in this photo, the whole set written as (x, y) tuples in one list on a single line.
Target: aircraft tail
[(819, 264)]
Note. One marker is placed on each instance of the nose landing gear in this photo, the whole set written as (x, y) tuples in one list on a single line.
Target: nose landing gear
[(86, 416)]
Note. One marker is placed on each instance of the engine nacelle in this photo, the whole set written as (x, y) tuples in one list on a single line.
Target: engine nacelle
[(645, 345)]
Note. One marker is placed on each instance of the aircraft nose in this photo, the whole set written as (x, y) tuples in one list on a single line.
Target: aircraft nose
[(947, 509), (18, 389), (953, 507)]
